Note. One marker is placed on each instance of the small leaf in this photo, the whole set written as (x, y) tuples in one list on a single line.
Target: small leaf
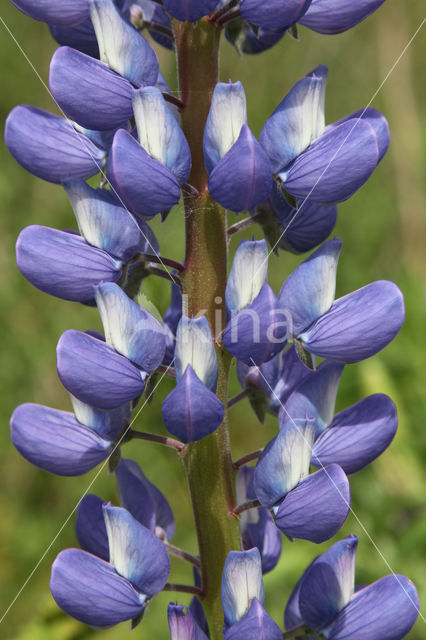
[(304, 355)]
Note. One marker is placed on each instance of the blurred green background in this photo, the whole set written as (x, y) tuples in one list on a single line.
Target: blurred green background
[(383, 228)]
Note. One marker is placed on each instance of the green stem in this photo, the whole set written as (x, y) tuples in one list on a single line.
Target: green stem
[(208, 463)]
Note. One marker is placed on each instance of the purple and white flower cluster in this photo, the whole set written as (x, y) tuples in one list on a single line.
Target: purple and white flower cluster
[(121, 121)]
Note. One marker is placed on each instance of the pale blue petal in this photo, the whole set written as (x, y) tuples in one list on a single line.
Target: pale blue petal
[(159, 133), (131, 330), (195, 347), (309, 291), (102, 221), (135, 552), (248, 274), (297, 121), (241, 583), (284, 461), (121, 46), (316, 396), (227, 115)]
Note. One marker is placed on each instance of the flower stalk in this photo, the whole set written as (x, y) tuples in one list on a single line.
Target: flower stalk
[(208, 463)]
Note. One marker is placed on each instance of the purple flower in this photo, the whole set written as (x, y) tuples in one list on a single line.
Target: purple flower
[(101, 594), (147, 174), (257, 328), (349, 329), (295, 230), (352, 438), (323, 164), (143, 500), (64, 443), (239, 169), (80, 36), (192, 410), (326, 600), (310, 507), (139, 496)]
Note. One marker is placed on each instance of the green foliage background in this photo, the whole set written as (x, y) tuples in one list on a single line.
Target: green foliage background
[(383, 231)]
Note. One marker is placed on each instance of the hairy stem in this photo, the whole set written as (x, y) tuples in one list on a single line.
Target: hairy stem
[(208, 463)]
